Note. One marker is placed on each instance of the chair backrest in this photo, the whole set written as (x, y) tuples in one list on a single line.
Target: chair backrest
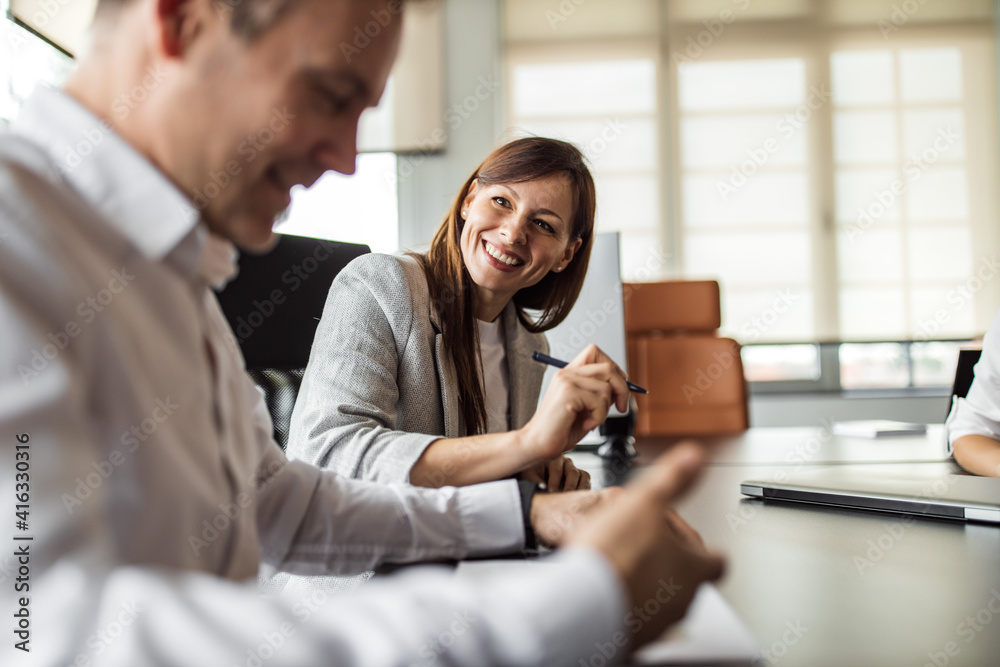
[(695, 379), (675, 306), (964, 372), (274, 306)]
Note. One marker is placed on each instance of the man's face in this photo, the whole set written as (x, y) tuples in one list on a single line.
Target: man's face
[(253, 120)]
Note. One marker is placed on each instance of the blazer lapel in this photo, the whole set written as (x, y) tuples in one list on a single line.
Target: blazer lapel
[(454, 423), (524, 373)]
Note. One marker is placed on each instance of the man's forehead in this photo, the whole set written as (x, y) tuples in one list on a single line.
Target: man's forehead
[(353, 42)]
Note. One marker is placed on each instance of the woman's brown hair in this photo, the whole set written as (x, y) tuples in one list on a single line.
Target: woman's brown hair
[(452, 290)]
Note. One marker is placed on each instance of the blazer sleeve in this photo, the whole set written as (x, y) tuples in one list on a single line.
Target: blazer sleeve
[(345, 418)]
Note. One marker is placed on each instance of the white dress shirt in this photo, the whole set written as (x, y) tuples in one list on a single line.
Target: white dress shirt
[(979, 412), (157, 494)]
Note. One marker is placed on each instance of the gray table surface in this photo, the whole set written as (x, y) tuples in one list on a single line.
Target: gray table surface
[(824, 586)]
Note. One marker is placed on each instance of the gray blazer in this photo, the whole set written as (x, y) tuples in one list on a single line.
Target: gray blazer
[(379, 387)]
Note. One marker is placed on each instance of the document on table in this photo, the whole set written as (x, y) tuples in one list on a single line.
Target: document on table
[(711, 633)]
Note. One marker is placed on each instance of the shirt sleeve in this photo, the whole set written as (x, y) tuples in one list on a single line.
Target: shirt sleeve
[(559, 612), (979, 412), (314, 522), (346, 417)]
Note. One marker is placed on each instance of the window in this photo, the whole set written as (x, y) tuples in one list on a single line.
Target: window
[(744, 191), (836, 183), (589, 73), (356, 209), (25, 61), (902, 191), (772, 363), (606, 105), (816, 157)]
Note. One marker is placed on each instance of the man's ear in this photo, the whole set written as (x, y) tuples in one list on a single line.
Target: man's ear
[(180, 22)]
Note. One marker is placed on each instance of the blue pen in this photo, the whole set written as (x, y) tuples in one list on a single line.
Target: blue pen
[(559, 363)]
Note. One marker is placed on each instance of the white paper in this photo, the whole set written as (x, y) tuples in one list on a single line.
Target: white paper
[(711, 632)]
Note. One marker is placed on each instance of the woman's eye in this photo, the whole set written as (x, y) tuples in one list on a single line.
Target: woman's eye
[(546, 226), (501, 201)]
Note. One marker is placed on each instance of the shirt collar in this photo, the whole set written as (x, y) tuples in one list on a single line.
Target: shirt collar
[(124, 186)]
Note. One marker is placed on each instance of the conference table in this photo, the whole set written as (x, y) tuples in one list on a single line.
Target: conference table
[(828, 586)]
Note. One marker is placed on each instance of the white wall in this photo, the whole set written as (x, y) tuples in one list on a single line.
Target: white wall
[(473, 119), (810, 409)]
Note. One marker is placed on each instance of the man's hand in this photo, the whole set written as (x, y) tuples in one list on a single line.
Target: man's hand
[(576, 401), (647, 543), (559, 474), (556, 516)]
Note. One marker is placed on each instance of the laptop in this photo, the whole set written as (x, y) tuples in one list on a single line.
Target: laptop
[(887, 488)]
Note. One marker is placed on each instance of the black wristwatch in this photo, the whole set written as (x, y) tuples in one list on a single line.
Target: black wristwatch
[(528, 490)]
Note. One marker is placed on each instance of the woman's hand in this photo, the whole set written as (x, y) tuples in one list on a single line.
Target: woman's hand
[(577, 401), (559, 474)]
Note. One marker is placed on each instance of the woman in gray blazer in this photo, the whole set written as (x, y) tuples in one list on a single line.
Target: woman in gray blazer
[(395, 390)]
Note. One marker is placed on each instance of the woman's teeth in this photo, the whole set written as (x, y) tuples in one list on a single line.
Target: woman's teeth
[(496, 254)]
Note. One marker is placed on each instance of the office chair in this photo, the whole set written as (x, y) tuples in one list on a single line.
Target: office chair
[(274, 306), (694, 377), (964, 371)]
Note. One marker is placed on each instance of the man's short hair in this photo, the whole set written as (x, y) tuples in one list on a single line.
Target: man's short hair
[(248, 18)]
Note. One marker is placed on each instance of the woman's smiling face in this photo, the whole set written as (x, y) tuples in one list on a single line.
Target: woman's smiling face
[(514, 234)]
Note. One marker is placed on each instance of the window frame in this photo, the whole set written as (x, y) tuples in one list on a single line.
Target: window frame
[(814, 45), (829, 381)]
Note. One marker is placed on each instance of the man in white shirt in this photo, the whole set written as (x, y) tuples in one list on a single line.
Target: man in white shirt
[(147, 491)]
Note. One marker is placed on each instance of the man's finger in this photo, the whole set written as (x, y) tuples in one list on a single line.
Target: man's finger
[(714, 566), (672, 473)]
